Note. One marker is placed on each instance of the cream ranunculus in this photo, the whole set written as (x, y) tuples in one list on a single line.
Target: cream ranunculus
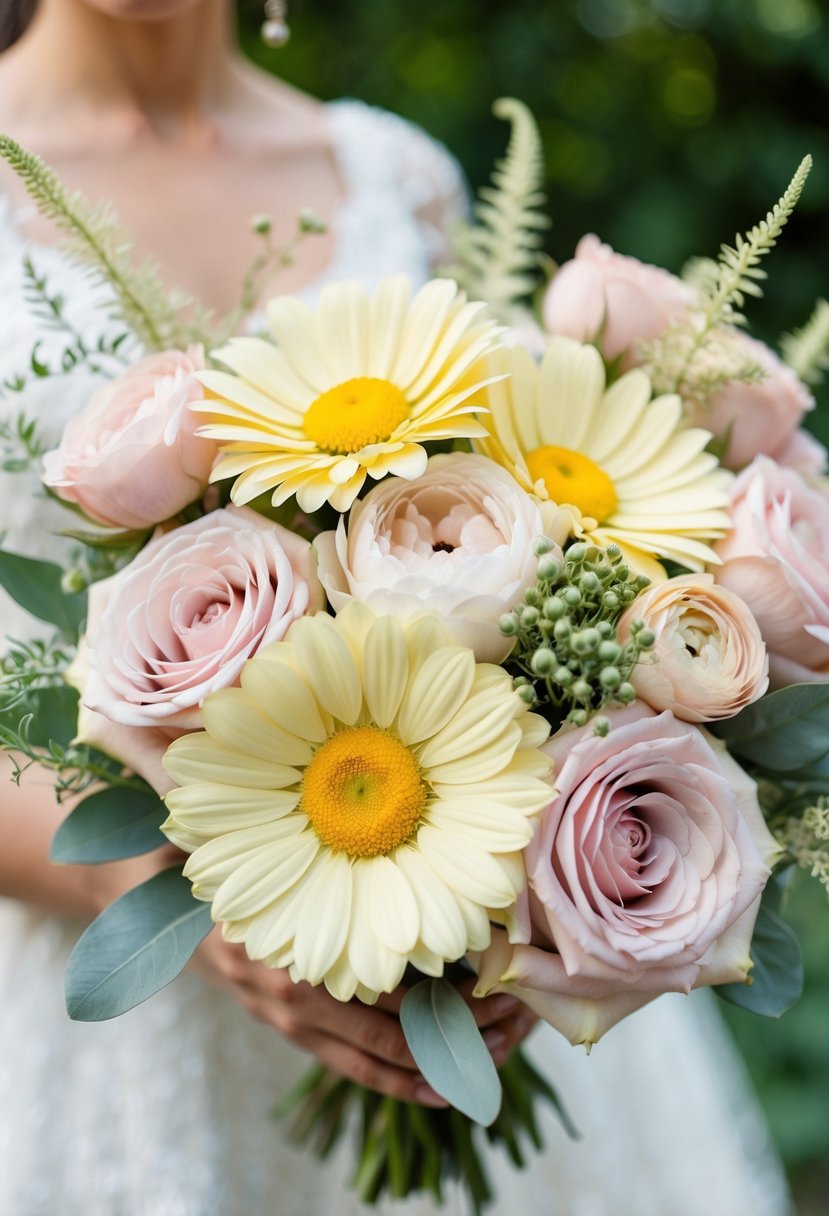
[(458, 541), (709, 660), (182, 619), (131, 458), (645, 874)]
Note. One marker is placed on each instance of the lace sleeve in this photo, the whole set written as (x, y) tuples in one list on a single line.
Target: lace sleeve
[(433, 182)]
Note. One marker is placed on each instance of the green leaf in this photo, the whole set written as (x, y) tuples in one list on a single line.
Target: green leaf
[(52, 715), (36, 586), (449, 1050), (135, 947), (110, 824), (787, 730), (777, 975)]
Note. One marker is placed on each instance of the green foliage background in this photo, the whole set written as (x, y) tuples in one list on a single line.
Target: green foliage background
[(668, 125)]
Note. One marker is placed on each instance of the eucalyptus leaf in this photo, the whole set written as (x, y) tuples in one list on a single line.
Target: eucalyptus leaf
[(36, 586), (135, 947), (777, 975), (789, 729), (113, 823), (449, 1051)]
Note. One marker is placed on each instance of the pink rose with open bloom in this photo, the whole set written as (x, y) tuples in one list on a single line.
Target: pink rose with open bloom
[(776, 557), (644, 874), (181, 620), (618, 300), (761, 416), (709, 660), (458, 541), (132, 457)]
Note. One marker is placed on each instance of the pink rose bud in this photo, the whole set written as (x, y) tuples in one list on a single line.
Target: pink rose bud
[(776, 558), (132, 458), (709, 660), (182, 619), (644, 875), (602, 296)]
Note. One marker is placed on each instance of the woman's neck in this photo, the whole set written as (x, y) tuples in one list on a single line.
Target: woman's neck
[(166, 74)]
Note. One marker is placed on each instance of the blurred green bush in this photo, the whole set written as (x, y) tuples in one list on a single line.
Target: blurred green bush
[(668, 126)]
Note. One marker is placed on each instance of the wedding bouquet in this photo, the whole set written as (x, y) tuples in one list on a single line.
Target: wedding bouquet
[(437, 630)]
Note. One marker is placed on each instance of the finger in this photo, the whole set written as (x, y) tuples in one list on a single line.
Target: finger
[(364, 1027), (367, 1070), (505, 1036)]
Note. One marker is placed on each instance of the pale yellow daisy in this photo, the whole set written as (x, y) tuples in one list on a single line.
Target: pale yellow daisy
[(351, 389), (361, 802), (637, 473)]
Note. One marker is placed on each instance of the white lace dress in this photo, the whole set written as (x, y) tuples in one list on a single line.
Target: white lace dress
[(165, 1112)]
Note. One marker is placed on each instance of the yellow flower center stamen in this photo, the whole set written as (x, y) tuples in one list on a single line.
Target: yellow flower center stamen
[(573, 478), (363, 792), (354, 414)]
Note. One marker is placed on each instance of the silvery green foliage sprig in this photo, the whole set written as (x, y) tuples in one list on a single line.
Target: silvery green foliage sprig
[(567, 657), (807, 350), (499, 256)]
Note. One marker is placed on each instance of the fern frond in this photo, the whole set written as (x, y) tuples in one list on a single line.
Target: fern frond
[(94, 237), (682, 359), (807, 350), (499, 254)]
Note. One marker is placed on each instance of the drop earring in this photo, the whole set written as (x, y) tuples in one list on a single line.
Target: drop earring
[(275, 31)]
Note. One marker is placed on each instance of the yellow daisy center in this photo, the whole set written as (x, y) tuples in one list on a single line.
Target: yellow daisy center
[(571, 477), (363, 792), (354, 414)]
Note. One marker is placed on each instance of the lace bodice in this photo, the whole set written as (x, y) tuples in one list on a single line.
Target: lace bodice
[(164, 1112)]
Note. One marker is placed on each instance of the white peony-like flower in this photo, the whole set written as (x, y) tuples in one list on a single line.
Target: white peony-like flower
[(458, 541)]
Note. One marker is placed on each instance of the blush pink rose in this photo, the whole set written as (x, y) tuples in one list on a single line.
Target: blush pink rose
[(132, 458), (760, 417), (458, 541), (709, 660), (776, 558), (644, 875), (617, 300), (182, 619)]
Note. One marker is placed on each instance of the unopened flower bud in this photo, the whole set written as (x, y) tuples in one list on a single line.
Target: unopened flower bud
[(577, 716), (563, 676), (576, 553), (609, 651), (585, 641), (548, 568), (554, 608), (571, 596), (261, 224), (625, 693), (529, 617), (610, 600), (533, 596), (543, 662), (610, 678), (601, 726), (582, 691), (562, 630), (527, 694), (72, 581), (589, 582), (542, 545), (508, 625), (309, 221)]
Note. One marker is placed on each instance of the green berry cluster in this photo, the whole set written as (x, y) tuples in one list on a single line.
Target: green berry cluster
[(566, 659)]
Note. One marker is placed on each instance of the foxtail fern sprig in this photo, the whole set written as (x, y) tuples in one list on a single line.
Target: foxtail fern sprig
[(807, 350), (499, 254), (142, 302), (679, 361)]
